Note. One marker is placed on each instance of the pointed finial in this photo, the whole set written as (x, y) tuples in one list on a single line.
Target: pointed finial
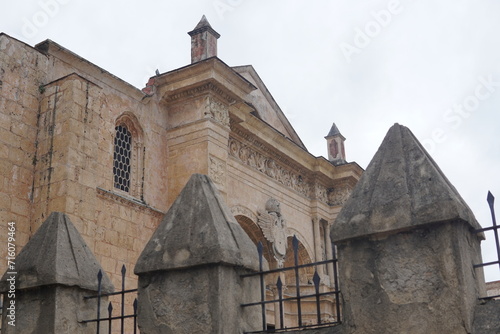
[(334, 131), (335, 145)]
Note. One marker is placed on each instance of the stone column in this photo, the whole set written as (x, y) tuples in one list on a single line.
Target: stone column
[(43, 292), (329, 252), (406, 246), (189, 271), (317, 243)]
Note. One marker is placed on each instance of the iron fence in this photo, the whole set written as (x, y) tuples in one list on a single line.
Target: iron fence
[(110, 318), (298, 298), (494, 227)]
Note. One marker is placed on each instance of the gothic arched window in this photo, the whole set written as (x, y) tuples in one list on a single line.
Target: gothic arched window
[(122, 158)]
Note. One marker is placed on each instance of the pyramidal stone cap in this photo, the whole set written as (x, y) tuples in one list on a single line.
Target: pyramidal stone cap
[(57, 254), (198, 229), (402, 187), (334, 131)]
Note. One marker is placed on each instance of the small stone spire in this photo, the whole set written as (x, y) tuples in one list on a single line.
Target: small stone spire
[(203, 41), (335, 143)]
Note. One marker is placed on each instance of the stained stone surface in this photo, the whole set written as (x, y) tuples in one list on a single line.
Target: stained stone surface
[(419, 281), (401, 187), (487, 318), (55, 271), (189, 272), (406, 246), (57, 254)]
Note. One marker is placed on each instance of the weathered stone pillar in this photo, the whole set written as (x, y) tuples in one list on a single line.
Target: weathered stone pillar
[(406, 246), (189, 271), (52, 274), (329, 252), (317, 244)]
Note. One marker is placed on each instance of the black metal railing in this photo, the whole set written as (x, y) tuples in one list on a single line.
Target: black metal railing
[(494, 228), (110, 318), (297, 298)]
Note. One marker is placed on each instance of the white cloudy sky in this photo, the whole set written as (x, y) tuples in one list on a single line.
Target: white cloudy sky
[(432, 66)]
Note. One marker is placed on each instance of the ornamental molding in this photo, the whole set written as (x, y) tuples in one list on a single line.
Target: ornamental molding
[(217, 170), (261, 157), (217, 111), (195, 91), (276, 170), (266, 149)]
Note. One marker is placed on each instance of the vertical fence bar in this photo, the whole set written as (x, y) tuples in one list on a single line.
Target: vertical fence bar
[(295, 244), (99, 281), (336, 282), (279, 285), (122, 320), (491, 202), (110, 313), (262, 287), (135, 316), (316, 281)]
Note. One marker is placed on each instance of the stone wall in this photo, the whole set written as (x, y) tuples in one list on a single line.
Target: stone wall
[(22, 72), (58, 115)]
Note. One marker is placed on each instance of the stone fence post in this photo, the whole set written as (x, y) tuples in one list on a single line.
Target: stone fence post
[(407, 246), (189, 271), (43, 292)]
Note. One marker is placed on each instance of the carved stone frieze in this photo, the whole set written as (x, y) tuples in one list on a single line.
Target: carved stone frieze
[(320, 193), (269, 167), (216, 110), (217, 170)]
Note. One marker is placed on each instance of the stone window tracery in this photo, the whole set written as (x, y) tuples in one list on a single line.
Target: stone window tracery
[(121, 158), (128, 156)]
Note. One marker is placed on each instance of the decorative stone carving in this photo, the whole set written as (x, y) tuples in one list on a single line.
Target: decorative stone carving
[(217, 170), (320, 193), (216, 110), (270, 167), (338, 196), (209, 87), (273, 226)]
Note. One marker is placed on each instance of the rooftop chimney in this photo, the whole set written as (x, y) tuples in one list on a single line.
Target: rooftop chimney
[(335, 143), (203, 41)]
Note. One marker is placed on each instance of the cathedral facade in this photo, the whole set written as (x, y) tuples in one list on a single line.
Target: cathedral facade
[(76, 139)]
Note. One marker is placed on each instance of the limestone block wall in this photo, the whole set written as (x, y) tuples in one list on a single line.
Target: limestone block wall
[(58, 114), (21, 72), (75, 172)]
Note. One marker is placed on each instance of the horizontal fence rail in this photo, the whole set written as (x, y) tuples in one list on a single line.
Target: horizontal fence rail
[(110, 318), (491, 201), (298, 298)]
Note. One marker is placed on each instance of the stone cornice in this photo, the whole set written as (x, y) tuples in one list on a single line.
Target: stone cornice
[(197, 91), (210, 74), (87, 69), (137, 204)]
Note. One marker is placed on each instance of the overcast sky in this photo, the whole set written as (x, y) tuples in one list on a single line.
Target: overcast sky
[(365, 65)]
